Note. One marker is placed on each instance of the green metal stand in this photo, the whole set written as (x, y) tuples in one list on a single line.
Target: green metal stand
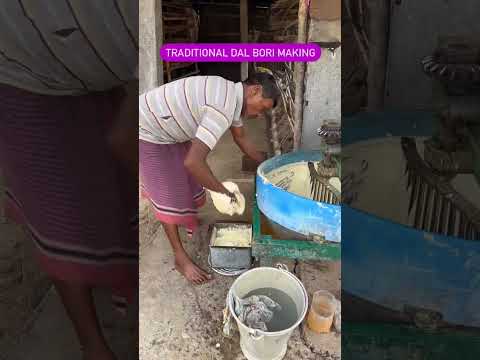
[(264, 247), (388, 341)]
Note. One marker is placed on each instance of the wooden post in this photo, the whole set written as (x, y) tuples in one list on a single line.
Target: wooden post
[(244, 34), (299, 76), (377, 59)]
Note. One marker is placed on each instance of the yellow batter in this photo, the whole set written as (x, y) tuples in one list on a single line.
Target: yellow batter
[(336, 183), (294, 178), (384, 188), (467, 186), (233, 237)]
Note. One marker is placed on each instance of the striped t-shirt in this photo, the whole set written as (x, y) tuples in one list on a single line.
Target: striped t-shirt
[(201, 107), (67, 47)]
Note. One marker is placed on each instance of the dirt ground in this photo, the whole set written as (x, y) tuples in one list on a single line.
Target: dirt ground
[(34, 324), (181, 321), (178, 321)]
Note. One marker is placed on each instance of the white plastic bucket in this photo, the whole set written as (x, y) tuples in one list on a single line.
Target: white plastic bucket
[(257, 344)]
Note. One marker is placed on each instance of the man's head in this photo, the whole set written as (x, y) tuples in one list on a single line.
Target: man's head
[(261, 94)]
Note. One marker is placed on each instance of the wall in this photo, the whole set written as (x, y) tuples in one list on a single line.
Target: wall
[(151, 36), (323, 85)]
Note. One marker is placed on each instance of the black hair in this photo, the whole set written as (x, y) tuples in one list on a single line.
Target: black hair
[(269, 86)]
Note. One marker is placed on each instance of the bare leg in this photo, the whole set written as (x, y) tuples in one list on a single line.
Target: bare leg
[(78, 302), (183, 263)]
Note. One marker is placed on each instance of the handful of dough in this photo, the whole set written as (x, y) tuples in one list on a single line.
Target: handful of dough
[(223, 202)]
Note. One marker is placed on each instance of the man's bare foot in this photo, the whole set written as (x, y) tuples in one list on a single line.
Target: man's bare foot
[(192, 272)]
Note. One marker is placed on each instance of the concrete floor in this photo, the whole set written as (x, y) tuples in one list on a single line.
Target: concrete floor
[(181, 321)]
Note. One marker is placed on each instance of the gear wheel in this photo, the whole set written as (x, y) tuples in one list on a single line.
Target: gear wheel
[(454, 63)]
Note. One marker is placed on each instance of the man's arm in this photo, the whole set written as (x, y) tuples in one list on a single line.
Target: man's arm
[(196, 164), (247, 147)]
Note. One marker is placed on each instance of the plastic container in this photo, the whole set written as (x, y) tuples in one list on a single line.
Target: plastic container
[(322, 310)]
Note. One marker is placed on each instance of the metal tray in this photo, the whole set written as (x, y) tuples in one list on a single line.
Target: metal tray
[(226, 256)]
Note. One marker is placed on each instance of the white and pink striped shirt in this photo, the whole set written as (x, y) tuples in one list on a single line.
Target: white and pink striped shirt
[(68, 47), (202, 107)]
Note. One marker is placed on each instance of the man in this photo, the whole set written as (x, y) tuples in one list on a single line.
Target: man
[(68, 85), (180, 123)]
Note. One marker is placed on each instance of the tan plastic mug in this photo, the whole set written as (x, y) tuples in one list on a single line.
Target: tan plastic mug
[(320, 316)]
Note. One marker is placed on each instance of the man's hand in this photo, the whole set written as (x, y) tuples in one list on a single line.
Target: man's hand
[(262, 157), (233, 197), (247, 147)]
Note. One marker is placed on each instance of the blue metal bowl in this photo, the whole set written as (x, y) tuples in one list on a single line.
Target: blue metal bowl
[(296, 213), (395, 265)]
